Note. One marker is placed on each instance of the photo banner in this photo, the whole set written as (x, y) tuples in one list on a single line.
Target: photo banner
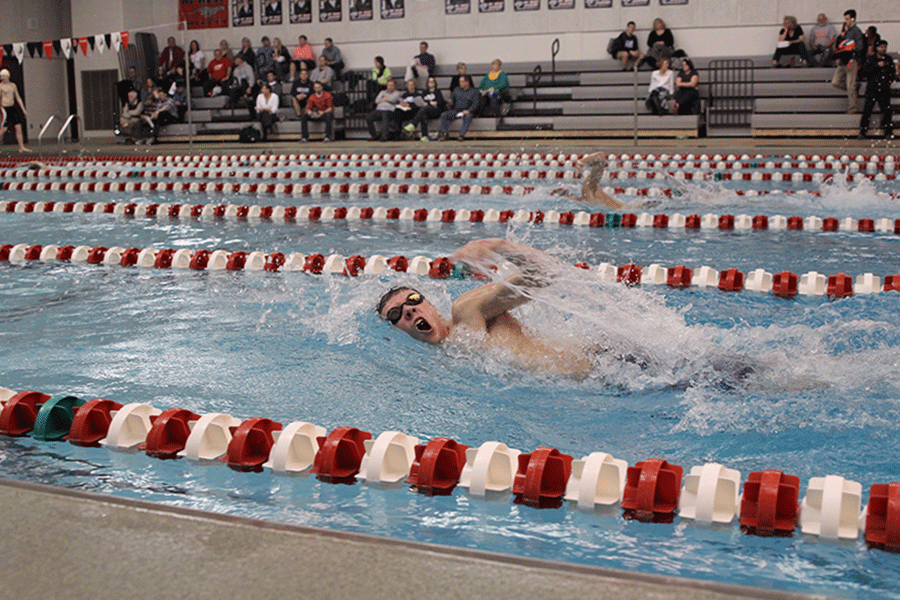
[(392, 9), (270, 13), (203, 14), (526, 5), (490, 6), (241, 13), (329, 11), (561, 4), (598, 3), (457, 7), (628, 3), (300, 11), (360, 10), (672, 2)]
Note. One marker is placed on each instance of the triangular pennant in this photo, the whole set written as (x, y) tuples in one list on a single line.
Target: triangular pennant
[(83, 44), (66, 45), (100, 44), (116, 41), (57, 47), (19, 51), (48, 49), (107, 39), (1, 54), (91, 42), (124, 35), (34, 47)]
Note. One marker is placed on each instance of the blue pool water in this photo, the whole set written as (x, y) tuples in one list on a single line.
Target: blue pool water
[(289, 346)]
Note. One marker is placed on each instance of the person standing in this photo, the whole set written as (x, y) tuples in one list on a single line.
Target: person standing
[(851, 47), (14, 113), (880, 72)]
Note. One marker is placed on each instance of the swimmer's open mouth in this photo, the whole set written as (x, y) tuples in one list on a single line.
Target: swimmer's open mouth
[(422, 324)]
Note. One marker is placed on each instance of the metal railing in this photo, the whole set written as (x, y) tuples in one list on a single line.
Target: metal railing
[(43, 131), (62, 132), (731, 99)]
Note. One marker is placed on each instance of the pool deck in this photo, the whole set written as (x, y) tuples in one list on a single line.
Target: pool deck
[(60, 543)]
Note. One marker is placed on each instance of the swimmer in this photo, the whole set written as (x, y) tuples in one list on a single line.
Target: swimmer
[(590, 189), (486, 309), (13, 109)]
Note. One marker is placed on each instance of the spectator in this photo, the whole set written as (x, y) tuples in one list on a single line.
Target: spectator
[(226, 51), (323, 73), (132, 82), (264, 57), (304, 55), (881, 71), (872, 40), (422, 65), (319, 107), (247, 52), (281, 60), (850, 51), (385, 104), (687, 97), (790, 42), (494, 89), (409, 105), (461, 69), (380, 76), (197, 62), (464, 103), (171, 59), (130, 117), (333, 57), (219, 70), (243, 82), (662, 87), (660, 44), (821, 39), (626, 47), (274, 84), (164, 112), (266, 108), (164, 81), (300, 92), (180, 97), (432, 108), (147, 90)]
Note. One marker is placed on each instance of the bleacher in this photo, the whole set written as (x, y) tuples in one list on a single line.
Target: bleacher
[(593, 99)]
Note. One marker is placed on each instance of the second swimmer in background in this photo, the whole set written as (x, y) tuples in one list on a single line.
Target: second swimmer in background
[(590, 188)]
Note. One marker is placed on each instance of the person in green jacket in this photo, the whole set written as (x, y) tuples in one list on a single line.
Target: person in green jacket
[(494, 88), (379, 78)]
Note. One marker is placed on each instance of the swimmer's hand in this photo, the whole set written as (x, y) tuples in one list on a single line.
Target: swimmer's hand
[(535, 267)]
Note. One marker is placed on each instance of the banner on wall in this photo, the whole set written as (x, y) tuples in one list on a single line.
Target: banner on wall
[(490, 6), (392, 9), (203, 14), (672, 2), (627, 3), (598, 3), (270, 13), (360, 10), (241, 13), (526, 4), (300, 11), (329, 11), (561, 4), (457, 7)]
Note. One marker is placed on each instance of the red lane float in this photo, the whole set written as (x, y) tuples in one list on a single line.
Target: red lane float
[(250, 444), (340, 454), (19, 413), (883, 516), (652, 490), (437, 466), (169, 433), (770, 503), (91, 422), (541, 477)]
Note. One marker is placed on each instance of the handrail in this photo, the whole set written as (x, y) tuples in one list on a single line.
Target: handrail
[(636, 93), (535, 79), (554, 50), (62, 132), (41, 134)]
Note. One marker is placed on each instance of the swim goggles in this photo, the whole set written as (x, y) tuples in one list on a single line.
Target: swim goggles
[(395, 314)]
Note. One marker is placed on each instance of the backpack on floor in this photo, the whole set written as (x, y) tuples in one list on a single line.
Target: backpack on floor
[(250, 135)]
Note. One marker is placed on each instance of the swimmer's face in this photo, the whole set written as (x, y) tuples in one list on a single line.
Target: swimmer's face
[(421, 321)]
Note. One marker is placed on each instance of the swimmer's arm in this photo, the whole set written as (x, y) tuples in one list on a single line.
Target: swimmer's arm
[(592, 194), (476, 308), (534, 265), (590, 158)]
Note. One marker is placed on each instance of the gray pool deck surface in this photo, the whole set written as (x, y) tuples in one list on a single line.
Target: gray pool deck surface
[(59, 543)]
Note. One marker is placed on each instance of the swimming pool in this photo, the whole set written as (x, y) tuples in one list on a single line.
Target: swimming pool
[(292, 346)]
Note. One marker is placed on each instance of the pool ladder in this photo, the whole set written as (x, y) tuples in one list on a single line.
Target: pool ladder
[(61, 134)]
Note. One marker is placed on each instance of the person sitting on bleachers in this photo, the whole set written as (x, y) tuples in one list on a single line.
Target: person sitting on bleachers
[(301, 89), (687, 97), (281, 60), (662, 87), (790, 42), (333, 57), (164, 112), (432, 108), (241, 91), (872, 40), (266, 108), (146, 90), (461, 69), (226, 50), (422, 66), (822, 36), (303, 55), (319, 107), (180, 96), (410, 103), (323, 74), (164, 81), (130, 117), (464, 103), (196, 63), (247, 52), (626, 47), (494, 89), (275, 85), (264, 57), (385, 104), (219, 70), (378, 79), (171, 59), (132, 82), (660, 44)]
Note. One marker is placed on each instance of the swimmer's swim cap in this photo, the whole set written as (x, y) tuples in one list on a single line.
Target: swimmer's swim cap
[(4, 74)]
